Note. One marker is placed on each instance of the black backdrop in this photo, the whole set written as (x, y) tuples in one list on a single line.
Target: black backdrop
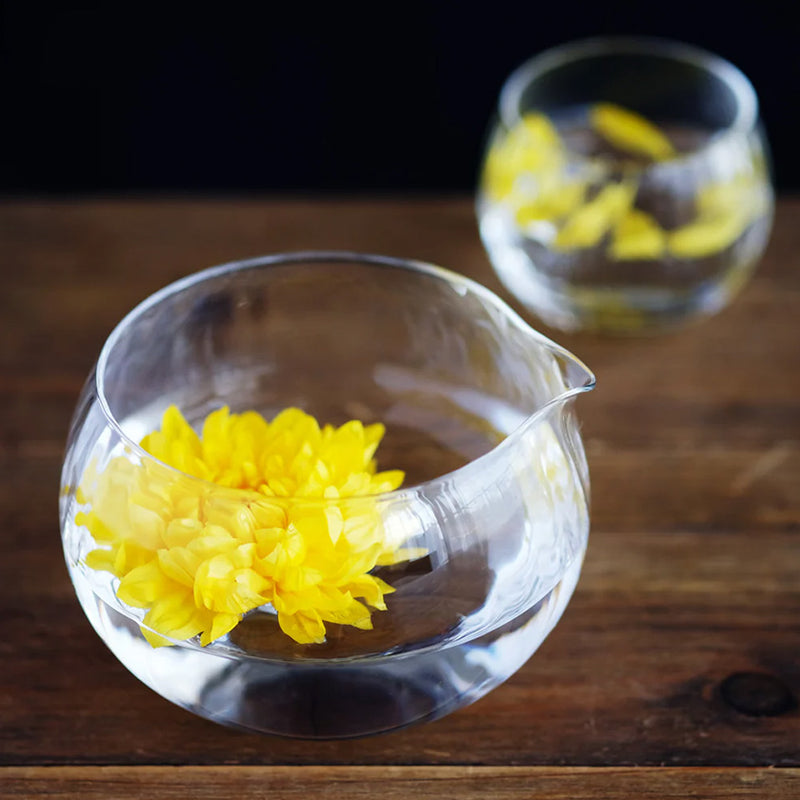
[(128, 98)]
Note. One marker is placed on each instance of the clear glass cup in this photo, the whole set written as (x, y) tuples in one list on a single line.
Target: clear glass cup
[(478, 411), (625, 186)]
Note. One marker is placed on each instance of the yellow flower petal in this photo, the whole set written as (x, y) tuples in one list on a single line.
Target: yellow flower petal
[(99, 530), (637, 236), (220, 625), (304, 627), (386, 481), (180, 532), (299, 580), (353, 613), (268, 514), (213, 539), (371, 589), (705, 236), (591, 222), (128, 556), (724, 210), (531, 148), (149, 526), (335, 522), (630, 132), (180, 564), (101, 559), (554, 199), (400, 555), (359, 531), (175, 616), (144, 585), (211, 581), (154, 639)]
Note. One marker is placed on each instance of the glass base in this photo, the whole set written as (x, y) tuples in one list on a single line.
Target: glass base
[(334, 699), (579, 293)]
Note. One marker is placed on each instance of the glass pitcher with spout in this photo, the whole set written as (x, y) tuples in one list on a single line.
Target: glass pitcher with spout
[(325, 494)]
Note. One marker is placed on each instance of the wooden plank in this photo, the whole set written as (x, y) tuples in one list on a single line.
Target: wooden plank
[(695, 488), (694, 445), (445, 783)]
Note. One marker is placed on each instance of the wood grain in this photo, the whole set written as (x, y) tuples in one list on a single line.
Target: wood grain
[(445, 783), (694, 447)]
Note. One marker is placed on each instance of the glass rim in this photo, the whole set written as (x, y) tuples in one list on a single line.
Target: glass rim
[(460, 283), (747, 110)]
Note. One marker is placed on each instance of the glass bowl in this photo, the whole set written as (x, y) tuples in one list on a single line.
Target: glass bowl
[(626, 186), (354, 610)]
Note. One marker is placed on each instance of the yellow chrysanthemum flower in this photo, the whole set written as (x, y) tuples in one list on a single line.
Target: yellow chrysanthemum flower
[(270, 523)]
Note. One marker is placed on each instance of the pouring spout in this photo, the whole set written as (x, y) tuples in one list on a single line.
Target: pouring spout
[(577, 376)]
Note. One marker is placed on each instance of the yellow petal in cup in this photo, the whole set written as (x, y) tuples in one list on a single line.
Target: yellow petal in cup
[(637, 236), (591, 222), (540, 131), (531, 147), (725, 209), (706, 235), (630, 132), (555, 199)]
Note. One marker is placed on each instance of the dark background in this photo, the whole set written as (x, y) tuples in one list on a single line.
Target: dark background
[(307, 99)]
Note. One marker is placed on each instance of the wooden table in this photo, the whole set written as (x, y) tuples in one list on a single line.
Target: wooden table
[(676, 669)]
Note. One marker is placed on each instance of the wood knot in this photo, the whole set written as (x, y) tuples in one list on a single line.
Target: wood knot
[(757, 694)]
